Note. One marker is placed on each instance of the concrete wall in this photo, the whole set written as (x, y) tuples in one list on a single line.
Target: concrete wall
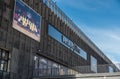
[(99, 76)]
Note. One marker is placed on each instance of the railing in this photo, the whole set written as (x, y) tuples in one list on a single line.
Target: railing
[(80, 70), (52, 72), (108, 68)]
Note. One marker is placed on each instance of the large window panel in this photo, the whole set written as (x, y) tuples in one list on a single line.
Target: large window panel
[(48, 67), (3, 65), (93, 64), (4, 57), (36, 62), (111, 69)]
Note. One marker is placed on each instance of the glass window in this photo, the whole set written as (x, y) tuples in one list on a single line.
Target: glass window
[(93, 64), (55, 65), (36, 62), (40, 65), (66, 71), (47, 67), (110, 69), (3, 60), (49, 64), (3, 65), (35, 58), (55, 69), (3, 54), (61, 70)]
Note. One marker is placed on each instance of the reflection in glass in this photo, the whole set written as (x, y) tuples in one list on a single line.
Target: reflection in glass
[(47, 67), (3, 60), (93, 64), (3, 54), (3, 65), (111, 69)]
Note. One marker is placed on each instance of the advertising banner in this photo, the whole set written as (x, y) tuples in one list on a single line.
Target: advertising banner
[(26, 20)]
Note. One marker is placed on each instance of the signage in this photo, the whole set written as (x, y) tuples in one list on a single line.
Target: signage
[(26, 20), (70, 44), (67, 42)]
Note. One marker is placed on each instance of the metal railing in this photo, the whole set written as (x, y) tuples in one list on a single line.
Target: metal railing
[(108, 68), (54, 72)]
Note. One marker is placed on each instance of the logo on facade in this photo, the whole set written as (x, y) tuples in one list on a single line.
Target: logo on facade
[(70, 44)]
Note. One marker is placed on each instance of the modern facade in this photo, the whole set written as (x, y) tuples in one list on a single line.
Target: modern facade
[(38, 39)]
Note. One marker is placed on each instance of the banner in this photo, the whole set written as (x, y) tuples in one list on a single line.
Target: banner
[(26, 20)]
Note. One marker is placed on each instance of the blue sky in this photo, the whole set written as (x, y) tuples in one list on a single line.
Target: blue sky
[(99, 20)]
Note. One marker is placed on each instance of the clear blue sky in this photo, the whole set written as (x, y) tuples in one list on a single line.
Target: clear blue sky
[(99, 20)]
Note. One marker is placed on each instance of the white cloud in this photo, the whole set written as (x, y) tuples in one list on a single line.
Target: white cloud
[(116, 37)]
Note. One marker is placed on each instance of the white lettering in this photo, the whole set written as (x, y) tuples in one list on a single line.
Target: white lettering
[(27, 23), (70, 44)]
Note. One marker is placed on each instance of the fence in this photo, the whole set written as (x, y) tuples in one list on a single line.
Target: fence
[(108, 68), (51, 72)]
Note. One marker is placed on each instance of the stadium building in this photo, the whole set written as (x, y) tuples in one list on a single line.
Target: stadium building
[(38, 39)]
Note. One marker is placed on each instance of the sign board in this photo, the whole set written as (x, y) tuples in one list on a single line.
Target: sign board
[(70, 44), (26, 20)]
